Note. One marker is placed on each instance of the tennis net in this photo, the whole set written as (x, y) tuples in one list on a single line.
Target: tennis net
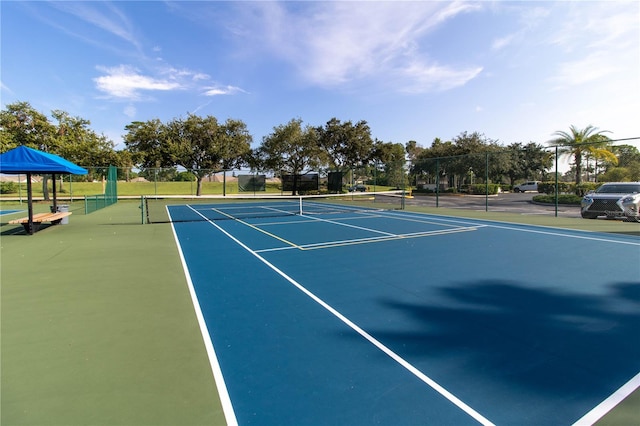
[(165, 209)]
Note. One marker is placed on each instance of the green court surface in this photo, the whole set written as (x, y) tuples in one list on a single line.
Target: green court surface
[(98, 326)]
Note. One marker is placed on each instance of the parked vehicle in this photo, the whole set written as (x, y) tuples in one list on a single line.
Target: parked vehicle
[(526, 186), (357, 188), (614, 199)]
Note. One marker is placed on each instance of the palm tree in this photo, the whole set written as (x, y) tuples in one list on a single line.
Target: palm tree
[(578, 142)]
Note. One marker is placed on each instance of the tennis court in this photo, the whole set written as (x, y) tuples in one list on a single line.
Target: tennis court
[(345, 314)]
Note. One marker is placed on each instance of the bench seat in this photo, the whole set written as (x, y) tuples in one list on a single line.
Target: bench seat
[(39, 218)]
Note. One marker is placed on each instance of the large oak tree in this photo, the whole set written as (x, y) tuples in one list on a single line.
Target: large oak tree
[(290, 148), (202, 145)]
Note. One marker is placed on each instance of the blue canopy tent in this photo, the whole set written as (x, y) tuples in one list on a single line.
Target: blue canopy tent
[(31, 161)]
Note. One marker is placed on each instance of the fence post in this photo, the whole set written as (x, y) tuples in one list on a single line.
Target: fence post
[(556, 200), (486, 181), (437, 182)]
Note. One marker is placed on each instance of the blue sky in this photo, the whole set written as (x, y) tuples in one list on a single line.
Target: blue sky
[(514, 71)]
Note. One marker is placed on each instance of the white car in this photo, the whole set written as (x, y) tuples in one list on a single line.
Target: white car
[(613, 199), (532, 185)]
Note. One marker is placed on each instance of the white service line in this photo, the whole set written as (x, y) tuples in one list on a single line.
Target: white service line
[(362, 228), (393, 237)]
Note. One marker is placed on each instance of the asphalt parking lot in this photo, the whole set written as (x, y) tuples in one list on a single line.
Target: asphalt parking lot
[(505, 202)]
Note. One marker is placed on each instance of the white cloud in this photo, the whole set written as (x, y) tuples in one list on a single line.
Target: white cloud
[(126, 82), (200, 76), (528, 18), (105, 16), (130, 111), (433, 77), (104, 25), (597, 25), (222, 90), (599, 43), (200, 107), (334, 43), (502, 42), (585, 70), (4, 87)]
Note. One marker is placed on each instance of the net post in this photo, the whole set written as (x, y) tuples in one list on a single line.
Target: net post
[(142, 209), (300, 205)]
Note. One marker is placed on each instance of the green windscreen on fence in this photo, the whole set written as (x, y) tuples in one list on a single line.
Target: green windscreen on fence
[(305, 182), (252, 183), (110, 195)]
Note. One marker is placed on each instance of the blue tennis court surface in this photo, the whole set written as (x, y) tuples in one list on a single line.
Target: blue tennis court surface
[(391, 317)]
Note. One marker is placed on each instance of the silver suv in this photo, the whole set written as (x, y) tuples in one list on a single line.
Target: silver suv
[(614, 199)]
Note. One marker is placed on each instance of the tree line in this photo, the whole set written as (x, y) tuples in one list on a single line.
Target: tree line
[(204, 144)]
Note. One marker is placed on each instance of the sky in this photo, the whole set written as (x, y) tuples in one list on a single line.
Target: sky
[(512, 71)]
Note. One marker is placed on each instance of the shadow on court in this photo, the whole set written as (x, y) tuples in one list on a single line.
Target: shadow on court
[(546, 351)]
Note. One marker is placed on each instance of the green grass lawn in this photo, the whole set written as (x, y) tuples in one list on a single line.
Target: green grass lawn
[(80, 189), (98, 327)]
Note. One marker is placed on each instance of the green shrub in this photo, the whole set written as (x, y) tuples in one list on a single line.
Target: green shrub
[(481, 189), (567, 188), (8, 187), (185, 177), (570, 199), (585, 187), (550, 188)]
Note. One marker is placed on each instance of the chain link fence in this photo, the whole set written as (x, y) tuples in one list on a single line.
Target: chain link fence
[(486, 181), (173, 181)]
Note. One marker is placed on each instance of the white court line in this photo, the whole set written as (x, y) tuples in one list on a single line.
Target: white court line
[(384, 236), (423, 377), (608, 404), (492, 224), (362, 228), (223, 393), (564, 235), (391, 216), (340, 243)]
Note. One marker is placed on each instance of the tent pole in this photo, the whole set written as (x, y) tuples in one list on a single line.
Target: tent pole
[(30, 203), (55, 195)]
